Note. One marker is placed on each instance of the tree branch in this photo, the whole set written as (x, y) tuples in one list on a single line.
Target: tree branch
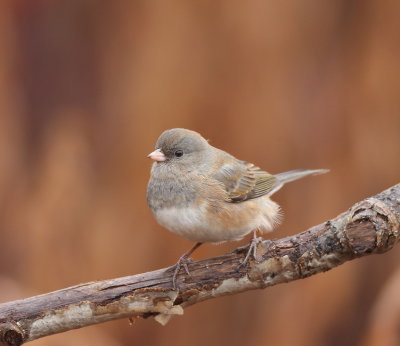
[(370, 226)]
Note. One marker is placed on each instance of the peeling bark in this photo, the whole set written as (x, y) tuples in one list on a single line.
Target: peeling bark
[(370, 226)]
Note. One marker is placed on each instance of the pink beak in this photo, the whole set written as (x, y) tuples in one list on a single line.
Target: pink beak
[(157, 155)]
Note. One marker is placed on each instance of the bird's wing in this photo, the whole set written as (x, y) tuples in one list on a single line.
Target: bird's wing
[(243, 181)]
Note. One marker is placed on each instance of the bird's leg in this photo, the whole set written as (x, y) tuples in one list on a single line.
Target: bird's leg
[(252, 248), (182, 262)]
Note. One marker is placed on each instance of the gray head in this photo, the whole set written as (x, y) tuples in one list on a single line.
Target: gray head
[(180, 147)]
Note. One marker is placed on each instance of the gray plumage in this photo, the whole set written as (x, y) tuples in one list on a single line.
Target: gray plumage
[(205, 194)]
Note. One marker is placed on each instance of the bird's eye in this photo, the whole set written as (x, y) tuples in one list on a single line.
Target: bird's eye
[(178, 153)]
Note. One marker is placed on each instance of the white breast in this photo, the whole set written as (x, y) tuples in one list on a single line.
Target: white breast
[(187, 222), (195, 225)]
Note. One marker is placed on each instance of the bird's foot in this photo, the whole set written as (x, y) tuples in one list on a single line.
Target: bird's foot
[(182, 263), (252, 251)]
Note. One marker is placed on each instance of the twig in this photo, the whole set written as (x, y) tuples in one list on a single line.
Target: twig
[(370, 226)]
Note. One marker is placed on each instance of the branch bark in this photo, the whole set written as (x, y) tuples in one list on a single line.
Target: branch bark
[(370, 226)]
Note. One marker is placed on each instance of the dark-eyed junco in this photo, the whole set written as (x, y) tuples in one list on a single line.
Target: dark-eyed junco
[(206, 195)]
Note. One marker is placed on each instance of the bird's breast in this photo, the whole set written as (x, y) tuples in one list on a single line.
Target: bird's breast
[(188, 222), (219, 221)]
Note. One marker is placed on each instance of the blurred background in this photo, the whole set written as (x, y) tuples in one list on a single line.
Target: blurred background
[(86, 87)]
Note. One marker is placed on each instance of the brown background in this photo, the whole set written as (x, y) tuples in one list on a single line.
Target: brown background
[(87, 86)]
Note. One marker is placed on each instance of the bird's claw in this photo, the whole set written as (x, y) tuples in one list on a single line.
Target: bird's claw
[(182, 263), (252, 251)]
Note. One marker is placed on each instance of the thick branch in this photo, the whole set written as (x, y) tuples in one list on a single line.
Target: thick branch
[(370, 226)]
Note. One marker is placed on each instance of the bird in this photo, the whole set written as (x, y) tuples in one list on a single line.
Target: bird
[(206, 195)]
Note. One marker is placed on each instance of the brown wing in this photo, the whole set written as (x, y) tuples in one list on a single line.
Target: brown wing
[(244, 181)]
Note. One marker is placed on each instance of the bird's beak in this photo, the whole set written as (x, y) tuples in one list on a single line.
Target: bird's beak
[(157, 155)]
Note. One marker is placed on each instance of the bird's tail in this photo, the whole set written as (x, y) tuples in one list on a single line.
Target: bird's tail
[(287, 177)]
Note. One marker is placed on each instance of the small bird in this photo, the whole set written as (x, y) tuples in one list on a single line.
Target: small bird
[(204, 194)]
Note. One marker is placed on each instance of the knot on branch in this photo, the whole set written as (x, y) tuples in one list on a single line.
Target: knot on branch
[(11, 334), (372, 227)]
